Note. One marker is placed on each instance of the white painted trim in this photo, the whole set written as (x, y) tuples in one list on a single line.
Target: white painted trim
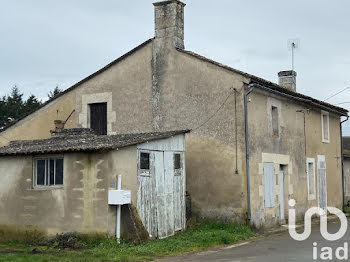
[(311, 160), (325, 113)]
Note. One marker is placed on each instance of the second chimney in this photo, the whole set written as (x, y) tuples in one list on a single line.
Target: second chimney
[(288, 79), (169, 22)]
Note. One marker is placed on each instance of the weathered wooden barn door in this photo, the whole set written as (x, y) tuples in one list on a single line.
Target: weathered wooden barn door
[(146, 205), (179, 192), (161, 194), (165, 193), (322, 184), (161, 186)]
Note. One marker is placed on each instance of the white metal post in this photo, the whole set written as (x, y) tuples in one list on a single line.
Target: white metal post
[(119, 187)]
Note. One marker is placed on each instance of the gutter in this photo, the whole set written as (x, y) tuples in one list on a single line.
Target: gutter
[(251, 88), (342, 160), (308, 101)]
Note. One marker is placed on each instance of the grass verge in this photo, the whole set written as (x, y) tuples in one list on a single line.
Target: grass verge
[(195, 238)]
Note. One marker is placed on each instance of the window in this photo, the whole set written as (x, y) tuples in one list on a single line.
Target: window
[(310, 169), (274, 121), (48, 171), (177, 161), (325, 126), (98, 118), (144, 161)]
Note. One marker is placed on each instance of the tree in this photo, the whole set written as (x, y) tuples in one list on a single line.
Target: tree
[(54, 93), (3, 113), (14, 104), (32, 104), (12, 107)]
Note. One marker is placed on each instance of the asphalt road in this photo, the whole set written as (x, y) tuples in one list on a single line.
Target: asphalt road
[(277, 247)]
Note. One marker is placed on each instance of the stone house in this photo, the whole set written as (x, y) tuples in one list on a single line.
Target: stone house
[(253, 144)]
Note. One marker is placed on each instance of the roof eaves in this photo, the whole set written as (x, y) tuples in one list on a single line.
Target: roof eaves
[(80, 82), (266, 83)]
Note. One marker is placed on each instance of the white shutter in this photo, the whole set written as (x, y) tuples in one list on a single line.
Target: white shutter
[(269, 192)]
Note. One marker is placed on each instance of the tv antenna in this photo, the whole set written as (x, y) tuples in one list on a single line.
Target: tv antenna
[(292, 45)]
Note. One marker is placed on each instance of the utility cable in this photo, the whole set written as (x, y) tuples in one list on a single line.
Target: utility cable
[(219, 108), (337, 93)]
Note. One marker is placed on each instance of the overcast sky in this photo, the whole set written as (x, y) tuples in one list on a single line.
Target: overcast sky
[(47, 43)]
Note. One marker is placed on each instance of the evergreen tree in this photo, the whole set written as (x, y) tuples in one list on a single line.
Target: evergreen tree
[(32, 103), (15, 104), (55, 92), (12, 107), (3, 113)]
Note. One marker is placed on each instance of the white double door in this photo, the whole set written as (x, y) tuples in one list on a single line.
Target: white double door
[(161, 196)]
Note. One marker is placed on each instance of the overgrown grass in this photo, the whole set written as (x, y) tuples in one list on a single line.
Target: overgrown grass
[(347, 210), (195, 238)]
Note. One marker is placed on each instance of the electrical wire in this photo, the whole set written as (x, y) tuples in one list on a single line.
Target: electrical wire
[(337, 93), (219, 108), (343, 103)]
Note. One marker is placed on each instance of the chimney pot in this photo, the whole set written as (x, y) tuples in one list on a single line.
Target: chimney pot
[(287, 79)]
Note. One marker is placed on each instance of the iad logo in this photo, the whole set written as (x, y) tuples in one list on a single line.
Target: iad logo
[(326, 252)]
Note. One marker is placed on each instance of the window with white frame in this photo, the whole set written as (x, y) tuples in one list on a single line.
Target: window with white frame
[(311, 181), (48, 171), (325, 126)]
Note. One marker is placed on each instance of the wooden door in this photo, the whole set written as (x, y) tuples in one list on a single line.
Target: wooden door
[(98, 118), (165, 193), (179, 191), (161, 194), (146, 206), (322, 184), (281, 182)]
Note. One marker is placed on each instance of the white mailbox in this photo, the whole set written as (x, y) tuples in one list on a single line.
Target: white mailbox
[(119, 197)]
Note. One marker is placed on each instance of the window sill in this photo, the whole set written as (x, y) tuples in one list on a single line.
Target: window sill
[(325, 141), (45, 188)]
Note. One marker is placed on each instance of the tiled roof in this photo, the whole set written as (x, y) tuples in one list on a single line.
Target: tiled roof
[(272, 86), (82, 140)]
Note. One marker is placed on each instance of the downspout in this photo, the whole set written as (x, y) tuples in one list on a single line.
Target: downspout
[(342, 160), (251, 87)]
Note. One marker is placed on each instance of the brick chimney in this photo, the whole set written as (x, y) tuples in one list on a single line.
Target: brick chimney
[(169, 22), (288, 79)]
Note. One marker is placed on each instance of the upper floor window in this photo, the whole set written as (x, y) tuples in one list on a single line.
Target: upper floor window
[(98, 118), (274, 121), (325, 126), (48, 171)]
